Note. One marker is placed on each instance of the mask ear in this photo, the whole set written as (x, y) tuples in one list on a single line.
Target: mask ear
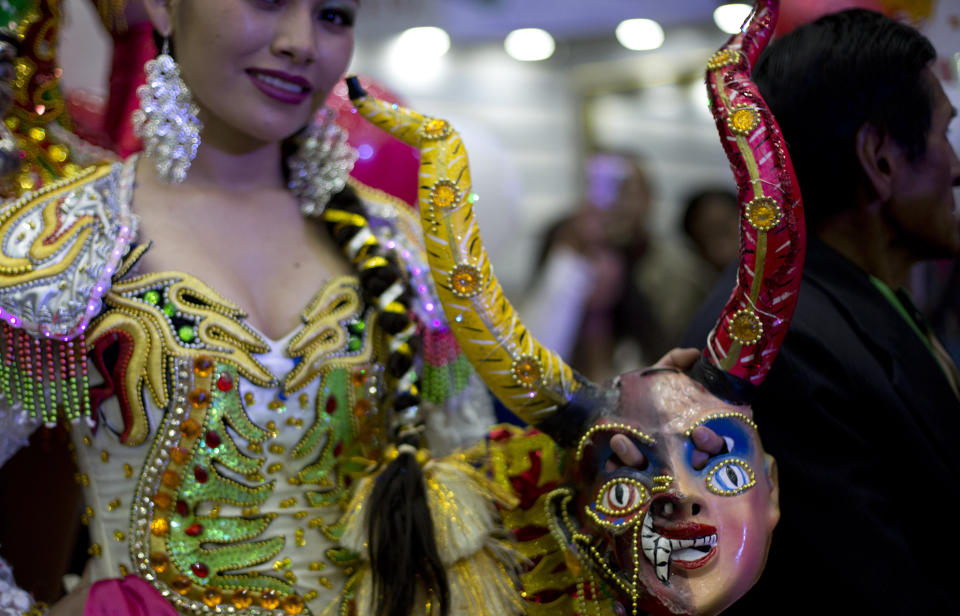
[(773, 479), (160, 13)]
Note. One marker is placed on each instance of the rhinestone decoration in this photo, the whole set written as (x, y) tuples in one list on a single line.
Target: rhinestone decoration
[(743, 120), (745, 327), (167, 119), (435, 129), (527, 371), (445, 194), (465, 281), (321, 164), (724, 57), (763, 213)]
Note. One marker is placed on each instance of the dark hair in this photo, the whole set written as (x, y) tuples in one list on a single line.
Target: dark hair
[(696, 200), (826, 80)]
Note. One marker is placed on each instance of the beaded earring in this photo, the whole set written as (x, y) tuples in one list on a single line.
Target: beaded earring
[(167, 119), (320, 165)]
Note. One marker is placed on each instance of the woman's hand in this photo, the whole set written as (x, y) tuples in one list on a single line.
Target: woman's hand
[(72, 604)]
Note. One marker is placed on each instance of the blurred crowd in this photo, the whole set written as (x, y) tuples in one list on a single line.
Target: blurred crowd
[(610, 294)]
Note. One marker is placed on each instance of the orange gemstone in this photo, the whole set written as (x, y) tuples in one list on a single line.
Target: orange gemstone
[(465, 280), (745, 327), (162, 500), (170, 479), (212, 597), (444, 194), (292, 604), (179, 454), (203, 366), (241, 599), (181, 584), (160, 527), (159, 562), (269, 599), (361, 408), (359, 378), (190, 428), (199, 398), (526, 371)]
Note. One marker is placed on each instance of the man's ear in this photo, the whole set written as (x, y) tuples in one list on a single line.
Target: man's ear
[(160, 13), (878, 158)]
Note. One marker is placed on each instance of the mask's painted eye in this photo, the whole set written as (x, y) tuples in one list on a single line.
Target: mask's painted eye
[(729, 477), (621, 497)]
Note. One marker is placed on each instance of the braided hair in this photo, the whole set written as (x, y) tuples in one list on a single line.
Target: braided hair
[(400, 528)]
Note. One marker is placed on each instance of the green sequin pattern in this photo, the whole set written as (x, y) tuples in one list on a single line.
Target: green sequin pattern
[(191, 535)]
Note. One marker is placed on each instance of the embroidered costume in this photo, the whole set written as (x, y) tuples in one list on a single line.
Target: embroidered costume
[(216, 462)]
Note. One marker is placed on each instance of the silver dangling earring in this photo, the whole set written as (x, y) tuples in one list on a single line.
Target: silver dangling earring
[(321, 164), (167, 119)]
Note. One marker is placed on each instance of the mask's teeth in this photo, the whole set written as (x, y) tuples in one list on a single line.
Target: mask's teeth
[(657, 549), (681, 544), (648, 538)]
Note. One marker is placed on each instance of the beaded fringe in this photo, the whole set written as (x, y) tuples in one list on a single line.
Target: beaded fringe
[(47, 377)]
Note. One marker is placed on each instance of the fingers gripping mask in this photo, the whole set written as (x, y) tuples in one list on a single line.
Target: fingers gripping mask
[(670, 499), (674, 528)]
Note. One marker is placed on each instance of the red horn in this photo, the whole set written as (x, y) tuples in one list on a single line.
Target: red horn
[(751, 327)]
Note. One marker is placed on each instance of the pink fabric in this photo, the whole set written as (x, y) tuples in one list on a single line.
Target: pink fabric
[(130, 596)]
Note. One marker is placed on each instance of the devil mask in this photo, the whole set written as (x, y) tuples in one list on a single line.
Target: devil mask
[(673, 533), (668, 534)]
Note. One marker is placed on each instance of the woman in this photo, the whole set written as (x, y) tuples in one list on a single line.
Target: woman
[(226, 434)]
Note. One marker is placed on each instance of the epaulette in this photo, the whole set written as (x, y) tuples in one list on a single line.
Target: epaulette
[(59, 247)]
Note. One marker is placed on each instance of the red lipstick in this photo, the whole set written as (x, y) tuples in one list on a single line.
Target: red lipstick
[(280, 86)]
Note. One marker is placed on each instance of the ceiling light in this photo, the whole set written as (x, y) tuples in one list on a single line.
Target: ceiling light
[(640, 34), (423, 42), (730, 17), (529, 44)]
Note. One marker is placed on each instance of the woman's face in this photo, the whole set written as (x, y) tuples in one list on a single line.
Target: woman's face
[(259, 69)]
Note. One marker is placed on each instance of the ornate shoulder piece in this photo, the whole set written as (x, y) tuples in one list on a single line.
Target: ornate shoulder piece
[(59, 247)]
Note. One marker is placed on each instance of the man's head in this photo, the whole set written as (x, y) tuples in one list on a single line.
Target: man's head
[(864, 119)]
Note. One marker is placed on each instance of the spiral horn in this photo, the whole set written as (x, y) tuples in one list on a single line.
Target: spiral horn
[(530, 380), (746, 338)]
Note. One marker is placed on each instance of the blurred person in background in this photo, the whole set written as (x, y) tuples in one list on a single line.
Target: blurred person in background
[(711, 222), (584, 302)]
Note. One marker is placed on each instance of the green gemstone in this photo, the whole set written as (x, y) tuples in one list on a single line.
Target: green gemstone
[(151, 297), (169, 310), (186, 333), (354, 344), (357, 326)]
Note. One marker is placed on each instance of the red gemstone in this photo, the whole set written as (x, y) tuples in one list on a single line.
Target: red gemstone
[(331, 404), (200, 570), (183, 509), (224, 383), (194, 530), (337, 449), (212, 439), (200, 474)]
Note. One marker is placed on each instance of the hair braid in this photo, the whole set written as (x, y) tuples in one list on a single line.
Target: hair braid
[(400, 526)]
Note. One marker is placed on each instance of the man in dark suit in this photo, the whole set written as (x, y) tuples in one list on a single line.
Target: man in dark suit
[(861, 408)]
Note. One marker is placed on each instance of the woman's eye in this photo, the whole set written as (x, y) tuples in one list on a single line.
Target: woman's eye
[(621, 496), (338, 16), (730, 477)]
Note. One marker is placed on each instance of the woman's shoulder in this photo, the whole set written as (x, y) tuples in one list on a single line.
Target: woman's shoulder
[(59, 247)]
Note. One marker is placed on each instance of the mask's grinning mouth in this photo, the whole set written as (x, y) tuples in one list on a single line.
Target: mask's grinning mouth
[(660, 550)]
